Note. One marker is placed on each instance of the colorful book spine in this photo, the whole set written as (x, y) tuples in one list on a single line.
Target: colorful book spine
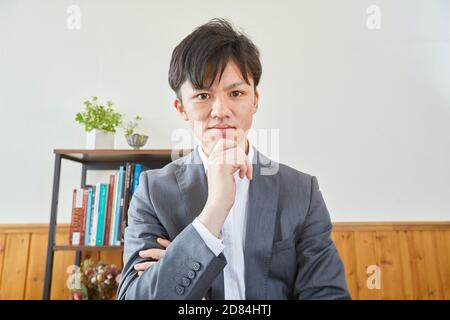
[(113, 210), (93, 237), (126, 198), (119, 204), (137, 173), (85, 192), (76, 219), (102, 214), (108, 210), (88, 217)]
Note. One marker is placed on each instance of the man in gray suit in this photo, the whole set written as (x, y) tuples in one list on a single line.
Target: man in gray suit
[(226, 222)]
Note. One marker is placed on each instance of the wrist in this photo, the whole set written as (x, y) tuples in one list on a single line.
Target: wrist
[(213, 218)]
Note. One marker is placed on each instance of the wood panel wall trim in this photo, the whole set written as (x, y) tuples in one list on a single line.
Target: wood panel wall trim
[(392, 226), (337, 226)]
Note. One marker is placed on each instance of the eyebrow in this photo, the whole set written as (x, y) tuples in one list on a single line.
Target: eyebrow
[(234, 85), (231, 86)]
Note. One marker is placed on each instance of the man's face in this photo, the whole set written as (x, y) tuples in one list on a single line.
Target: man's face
[(224, 110)]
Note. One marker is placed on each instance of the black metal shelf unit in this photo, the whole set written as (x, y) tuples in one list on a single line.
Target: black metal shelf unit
[(91, 160)]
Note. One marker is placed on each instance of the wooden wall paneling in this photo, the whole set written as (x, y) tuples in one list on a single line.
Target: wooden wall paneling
[(62, 260), (112, 257), (418, 268), (414, 260), (345, 244), (443, 250), (2, 255), (409, 291), (15, 262), (432, 275), (365, 257), (388, 255), (93, 255), (36, 266)]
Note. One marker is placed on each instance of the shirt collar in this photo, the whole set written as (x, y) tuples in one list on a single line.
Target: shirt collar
[(205, 158)]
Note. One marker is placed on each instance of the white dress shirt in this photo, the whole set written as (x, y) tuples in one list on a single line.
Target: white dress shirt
[(232, 236)]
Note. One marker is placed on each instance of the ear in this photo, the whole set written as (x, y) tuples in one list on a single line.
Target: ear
[(256, 102), (178, 105)]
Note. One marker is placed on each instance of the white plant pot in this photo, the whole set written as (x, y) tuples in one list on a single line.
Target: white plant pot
[(98, 139)]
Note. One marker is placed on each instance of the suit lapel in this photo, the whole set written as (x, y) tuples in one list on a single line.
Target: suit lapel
[(260, 226), (193, 185), (218, 288)]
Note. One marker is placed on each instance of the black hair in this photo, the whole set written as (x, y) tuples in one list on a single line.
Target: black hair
[(200, 56)]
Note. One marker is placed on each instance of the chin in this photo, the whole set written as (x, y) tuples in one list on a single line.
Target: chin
[(226, 134), (210, 136)]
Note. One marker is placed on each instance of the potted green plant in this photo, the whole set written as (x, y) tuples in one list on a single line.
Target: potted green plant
[(100, 123), (134, 140)]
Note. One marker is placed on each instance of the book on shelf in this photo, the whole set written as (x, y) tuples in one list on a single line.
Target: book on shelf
[(100, 211), (77, 217)]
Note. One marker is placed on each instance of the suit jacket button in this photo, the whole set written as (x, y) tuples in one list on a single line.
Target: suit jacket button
[(191, 274), (186, 282), (179, 289), (196, 266)]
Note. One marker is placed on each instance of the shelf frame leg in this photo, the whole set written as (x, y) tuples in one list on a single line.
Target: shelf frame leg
[(52, 228)]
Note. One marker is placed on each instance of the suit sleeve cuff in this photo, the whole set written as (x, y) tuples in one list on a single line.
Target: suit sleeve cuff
[(213, 243)]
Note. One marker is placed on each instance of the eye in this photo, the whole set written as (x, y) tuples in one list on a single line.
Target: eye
[(236, 93), (202, 96)]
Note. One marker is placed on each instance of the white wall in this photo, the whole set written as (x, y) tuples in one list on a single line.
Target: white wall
[(366, 111)]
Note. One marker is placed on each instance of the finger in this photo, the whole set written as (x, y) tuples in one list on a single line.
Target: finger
[(158, 253), (152, 253), (146, 253), (165, 243), (143, 265), (222, 145), (242, 170), (238, 158), (248, 164), (140, 272), (249, 168)]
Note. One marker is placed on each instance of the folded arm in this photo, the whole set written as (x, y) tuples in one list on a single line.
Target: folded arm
[(188, 267)]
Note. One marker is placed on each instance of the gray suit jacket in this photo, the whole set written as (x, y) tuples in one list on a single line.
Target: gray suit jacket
[(288, 251)]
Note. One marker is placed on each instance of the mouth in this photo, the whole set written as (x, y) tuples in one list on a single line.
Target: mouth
[(223, 129)]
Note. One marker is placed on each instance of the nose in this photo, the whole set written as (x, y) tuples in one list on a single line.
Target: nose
[(220, 108)]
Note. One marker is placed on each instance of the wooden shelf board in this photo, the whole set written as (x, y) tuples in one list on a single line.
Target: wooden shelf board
[(87, 155)]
